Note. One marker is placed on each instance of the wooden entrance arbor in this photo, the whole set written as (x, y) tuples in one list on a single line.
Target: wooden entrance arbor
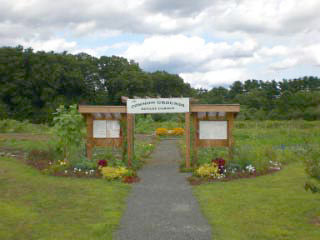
[(212, 124)]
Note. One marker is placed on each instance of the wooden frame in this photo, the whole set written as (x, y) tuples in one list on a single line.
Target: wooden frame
[(230, 110), (208, 112)]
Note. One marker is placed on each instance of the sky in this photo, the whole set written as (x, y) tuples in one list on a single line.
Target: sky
[(208, 43)]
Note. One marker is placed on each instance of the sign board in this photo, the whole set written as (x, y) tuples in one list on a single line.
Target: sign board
[(113, 129), (158, 105), (106, 129), (99, 129), (213, 130)]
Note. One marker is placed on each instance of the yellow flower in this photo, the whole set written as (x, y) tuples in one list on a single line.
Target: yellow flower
[(111, 173), (207, 170), (161, 131)]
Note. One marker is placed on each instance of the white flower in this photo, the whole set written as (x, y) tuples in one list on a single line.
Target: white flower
[(250, 168), (65, 171)]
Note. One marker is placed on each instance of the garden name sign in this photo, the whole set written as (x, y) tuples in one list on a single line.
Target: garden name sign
[(158, 105), (107, 125)]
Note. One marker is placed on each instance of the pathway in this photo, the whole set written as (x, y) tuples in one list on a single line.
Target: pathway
[(162, 206)]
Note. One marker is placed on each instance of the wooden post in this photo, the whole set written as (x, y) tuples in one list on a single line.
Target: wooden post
[(187, 133), (230, 119), (195, 138), (130, 129), (123, 135), (89, 144)]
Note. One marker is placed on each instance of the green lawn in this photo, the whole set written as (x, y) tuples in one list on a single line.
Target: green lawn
[(35, 206), (268, 207)]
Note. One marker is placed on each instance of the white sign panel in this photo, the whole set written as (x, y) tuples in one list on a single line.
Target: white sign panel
[(113, 129), (106, 129), (99, 129), (213, 130), (158, 105)]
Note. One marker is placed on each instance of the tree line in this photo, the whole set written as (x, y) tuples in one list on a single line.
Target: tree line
[(33, 85), (288, 99)]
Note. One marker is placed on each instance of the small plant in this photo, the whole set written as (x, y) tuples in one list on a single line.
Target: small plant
[(250, 169), (169, 132), (112, 173), (208, 171), (220, 162), (102, 163), (161, 131), (68, 125), (312, 164), (178, 131)]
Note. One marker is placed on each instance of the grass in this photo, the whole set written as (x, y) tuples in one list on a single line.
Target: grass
[(24, 144), (268, 207), (272, 206), (35, 206), (257, 143), (14, 126)]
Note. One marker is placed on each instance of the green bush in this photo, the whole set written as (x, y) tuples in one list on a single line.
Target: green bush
[(312, 163), (68, 130)]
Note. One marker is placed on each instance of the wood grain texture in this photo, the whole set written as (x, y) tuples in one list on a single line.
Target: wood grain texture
[(213, 143), (104, 142), (195, 142), (89, 143), (102, 109), (215, 108), (187, 135), (130, 129)]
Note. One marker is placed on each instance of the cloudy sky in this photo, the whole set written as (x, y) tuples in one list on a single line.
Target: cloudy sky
[(207, 42)]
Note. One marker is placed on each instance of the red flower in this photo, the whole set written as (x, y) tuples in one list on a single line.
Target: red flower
[(220, 162), (103, 163)]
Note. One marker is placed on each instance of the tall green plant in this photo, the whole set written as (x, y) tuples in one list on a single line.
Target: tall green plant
[(68, 125), (312, 164)]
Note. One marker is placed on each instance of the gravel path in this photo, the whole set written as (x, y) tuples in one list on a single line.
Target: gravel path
[(162, 206)]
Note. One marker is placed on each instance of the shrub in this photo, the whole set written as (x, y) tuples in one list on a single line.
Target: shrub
[(68, 125), (312, 163), (178, 131), (208, 171), (161, 131), (112, 173)]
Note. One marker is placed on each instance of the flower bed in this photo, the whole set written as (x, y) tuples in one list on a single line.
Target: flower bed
[(220, 170), (169, 132)]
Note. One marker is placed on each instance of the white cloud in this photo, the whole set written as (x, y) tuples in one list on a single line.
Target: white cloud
[(181, 53), (296, 56), (222, 77), (200, 38), (55, 44)]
